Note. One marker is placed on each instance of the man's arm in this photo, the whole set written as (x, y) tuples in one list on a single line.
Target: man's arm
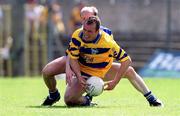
[(69, 72), (75, 66), (76, 69), (120, 55), (124, 66)]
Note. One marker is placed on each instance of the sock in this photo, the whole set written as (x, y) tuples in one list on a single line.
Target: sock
[(150, 97), (87, 101), (89, 97), (54, 95)]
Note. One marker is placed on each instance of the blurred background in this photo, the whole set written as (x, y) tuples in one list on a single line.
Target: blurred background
[(34, 32)]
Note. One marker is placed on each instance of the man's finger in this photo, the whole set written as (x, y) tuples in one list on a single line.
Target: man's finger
[(105, 86), (68, 80), (83, 85)]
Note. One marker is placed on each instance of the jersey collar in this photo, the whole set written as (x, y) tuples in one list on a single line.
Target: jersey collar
[(94, 41)]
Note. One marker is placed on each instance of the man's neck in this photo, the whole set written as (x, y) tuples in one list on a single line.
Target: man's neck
[(91, 39)]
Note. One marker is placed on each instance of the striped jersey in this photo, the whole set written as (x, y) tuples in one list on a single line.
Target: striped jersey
[(107, 30), (95, 58)]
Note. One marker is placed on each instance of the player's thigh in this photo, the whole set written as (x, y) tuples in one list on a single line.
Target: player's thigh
[(112, 71), (73, 92), (55, 67)]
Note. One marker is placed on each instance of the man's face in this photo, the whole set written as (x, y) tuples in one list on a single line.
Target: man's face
[(85, 15), (89, 32)]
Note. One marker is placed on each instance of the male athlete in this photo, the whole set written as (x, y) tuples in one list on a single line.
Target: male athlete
[(61, 65), (91, 53)]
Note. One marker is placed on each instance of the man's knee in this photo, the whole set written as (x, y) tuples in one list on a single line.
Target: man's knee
[(72, 96), (130, 71), (55, 67), (69, 100), (46, 71)]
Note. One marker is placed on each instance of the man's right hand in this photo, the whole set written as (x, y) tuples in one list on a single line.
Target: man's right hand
[(69, 75), (82, 81)]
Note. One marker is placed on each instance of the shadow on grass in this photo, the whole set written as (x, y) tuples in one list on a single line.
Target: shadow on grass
[(46, 106), (63, 107)]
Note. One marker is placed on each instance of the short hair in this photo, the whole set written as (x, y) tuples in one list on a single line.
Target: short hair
[(91, 9), (95, 10), (93, 20)]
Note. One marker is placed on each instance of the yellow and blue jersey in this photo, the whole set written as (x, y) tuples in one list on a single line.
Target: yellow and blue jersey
[(95, 57), (107, 30)]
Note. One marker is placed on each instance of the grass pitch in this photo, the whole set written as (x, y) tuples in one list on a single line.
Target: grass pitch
[(23, 96)]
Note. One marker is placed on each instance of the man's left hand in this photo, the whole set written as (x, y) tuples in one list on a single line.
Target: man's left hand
[(110, 85)]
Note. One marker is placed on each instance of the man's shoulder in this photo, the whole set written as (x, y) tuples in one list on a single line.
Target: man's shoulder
[(106, 30), (107, 38), (77, 32)]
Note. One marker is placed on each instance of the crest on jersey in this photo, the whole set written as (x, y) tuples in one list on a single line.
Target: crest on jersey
[(94, 51)]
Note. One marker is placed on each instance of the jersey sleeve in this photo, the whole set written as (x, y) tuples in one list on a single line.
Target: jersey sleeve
[(67, 51), (118, 53), (74, 46)]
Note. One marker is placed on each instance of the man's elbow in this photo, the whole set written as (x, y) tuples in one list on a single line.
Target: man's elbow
[(129, 61)]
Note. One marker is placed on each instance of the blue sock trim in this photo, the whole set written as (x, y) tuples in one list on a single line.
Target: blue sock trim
[(150, 97), (87, 102), (148, 93), (54, 95)]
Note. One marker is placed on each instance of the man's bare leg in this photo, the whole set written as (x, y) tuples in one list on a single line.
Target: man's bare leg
[(53, 68), (73, 95), (136, 81), (131, 75)]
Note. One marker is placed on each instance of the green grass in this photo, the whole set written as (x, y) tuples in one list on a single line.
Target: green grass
[(23, 96)]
